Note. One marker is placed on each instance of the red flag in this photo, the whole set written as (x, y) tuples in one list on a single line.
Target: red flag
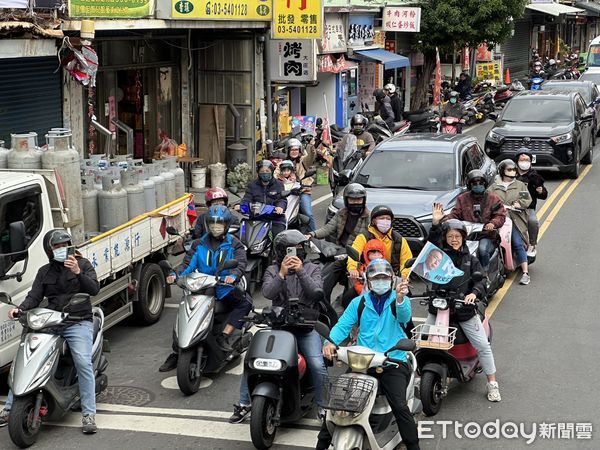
[(163, 228), (466, 59), (437, 85), (192, 213)]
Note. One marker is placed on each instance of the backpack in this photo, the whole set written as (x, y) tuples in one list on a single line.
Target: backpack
[(409, 324)]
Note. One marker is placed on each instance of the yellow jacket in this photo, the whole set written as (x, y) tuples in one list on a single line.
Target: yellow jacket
[(405, 253)]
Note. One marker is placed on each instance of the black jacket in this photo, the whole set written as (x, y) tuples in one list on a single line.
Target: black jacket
[(466, 262), (533, 180), (397, 107), (270, 194), (59, 284)]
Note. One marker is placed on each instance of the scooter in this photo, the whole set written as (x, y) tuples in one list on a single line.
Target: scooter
[(508, 255), (358, 413), (535, 83), (200, 319), (444, 352), (449, 125), (43, 376), (347, 157), (278, 380), (502, 95), (293, 218)]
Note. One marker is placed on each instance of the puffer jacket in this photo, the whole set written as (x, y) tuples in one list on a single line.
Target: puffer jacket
[(334, 229), (515, 191), (269, 194), (59, 285)]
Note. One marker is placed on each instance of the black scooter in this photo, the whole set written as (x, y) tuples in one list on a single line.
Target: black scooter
[(278, 380)]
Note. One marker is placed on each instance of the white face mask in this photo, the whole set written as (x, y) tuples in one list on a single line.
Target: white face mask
[(216, 229), (383, 225), (60, 254), (381, 287), (524, 165)]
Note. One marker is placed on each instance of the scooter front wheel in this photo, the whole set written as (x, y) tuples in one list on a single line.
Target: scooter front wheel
[(431, 393), (187, 380), (262, 422), (21, 420)]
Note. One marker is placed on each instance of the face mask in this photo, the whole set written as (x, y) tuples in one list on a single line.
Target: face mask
[(357, 130), (524, 165), (60, 254), (381, 287), (216, 229), (511, 175), (478, 189), (383, 225), (356, 209), (453, 101), (265, 177)]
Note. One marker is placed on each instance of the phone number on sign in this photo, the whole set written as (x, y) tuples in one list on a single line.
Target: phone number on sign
[(226, 9), (297, 29)]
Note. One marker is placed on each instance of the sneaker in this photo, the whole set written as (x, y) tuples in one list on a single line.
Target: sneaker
[(88, 423), (532, 251), (525, 279), (169, 364), (493, 392), (223, 343), (321, 414), (4, 417), (240, 413)]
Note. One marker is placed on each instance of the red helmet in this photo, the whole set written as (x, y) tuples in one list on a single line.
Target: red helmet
[(214, 194)]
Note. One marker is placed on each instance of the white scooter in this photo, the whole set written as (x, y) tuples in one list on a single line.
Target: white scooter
[(358, 414)]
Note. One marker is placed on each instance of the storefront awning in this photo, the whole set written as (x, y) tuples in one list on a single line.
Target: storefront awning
[(554, 9), (388, 59), (591, 8)]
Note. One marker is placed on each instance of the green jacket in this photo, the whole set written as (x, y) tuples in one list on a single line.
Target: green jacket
[(335, 227)]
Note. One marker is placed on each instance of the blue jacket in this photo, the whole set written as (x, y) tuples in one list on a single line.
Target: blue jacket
[(256, 191), (206, 260), (379, 333)]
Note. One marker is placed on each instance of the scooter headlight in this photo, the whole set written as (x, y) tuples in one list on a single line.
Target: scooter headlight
[(274, 365), (37, 321), (439, 303), (359, 362), (259, 247)]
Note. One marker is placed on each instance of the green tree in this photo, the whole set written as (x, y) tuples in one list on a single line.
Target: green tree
[(450, 24)]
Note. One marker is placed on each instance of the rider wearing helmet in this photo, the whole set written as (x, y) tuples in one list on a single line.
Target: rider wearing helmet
[(397, 250), (214, 248), (537, 190), (285, 171), (395, 100), (383, 105), (266, 189), (451, 238), (478, 206), (302, 164), (66, 274), (214, 196), (515, 195), (358, 127), (551, 69), (454, 108), (382, 315), (342, 228), (464, 85), (292, 277)]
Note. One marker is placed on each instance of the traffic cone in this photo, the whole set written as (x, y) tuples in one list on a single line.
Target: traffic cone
[(507, 77)]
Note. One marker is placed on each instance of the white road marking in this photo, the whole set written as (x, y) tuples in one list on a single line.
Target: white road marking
[(171, 383), (321, 199), (172, 305)]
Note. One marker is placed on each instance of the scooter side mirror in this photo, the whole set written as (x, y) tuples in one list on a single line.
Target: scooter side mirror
[(352, 253), (407, 345), (477, 277), (5, 298), (322, 330), (493, 116), (344, 177), (172, 231), (309, 173)]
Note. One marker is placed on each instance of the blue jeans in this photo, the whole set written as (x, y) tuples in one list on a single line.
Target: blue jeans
[(79, 337), (518, 245), (306, 209), (309, 344), (485, 251)]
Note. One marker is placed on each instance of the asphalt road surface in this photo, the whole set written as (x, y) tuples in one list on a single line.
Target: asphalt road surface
[(545, 345)]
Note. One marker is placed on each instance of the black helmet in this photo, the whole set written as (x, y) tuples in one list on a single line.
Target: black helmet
[(523, 151), (55, 237), (453, 94), (455, 224), (378, 94), (355, 190), (285, 239), (359, 123), (265, 163), (381, 210), (474, 175), (505, 164)]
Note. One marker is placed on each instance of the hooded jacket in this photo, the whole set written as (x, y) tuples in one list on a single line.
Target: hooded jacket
[(59, 284), (469, 264)]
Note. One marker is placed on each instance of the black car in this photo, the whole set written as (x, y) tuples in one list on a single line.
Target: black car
[(556, 126), (588, 90), (410, 172)]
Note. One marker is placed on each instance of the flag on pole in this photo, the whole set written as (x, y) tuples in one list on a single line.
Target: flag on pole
[(437, 85), (435, 265)]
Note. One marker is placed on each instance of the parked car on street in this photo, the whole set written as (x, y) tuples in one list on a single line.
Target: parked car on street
[(556, 126), (592, 75), (408, 173)]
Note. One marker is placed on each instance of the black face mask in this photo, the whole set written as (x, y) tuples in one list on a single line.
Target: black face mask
[(356, 209)]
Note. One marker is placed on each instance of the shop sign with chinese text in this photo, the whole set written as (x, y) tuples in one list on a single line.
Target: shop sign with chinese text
[(361, 31), (297, 19), (328, 63), (259, 10), (334, 35), (403, 19), (111, 8), (293, 61), (489, 71)]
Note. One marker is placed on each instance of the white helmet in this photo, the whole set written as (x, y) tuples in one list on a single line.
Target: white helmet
[(390, 88), (552, 62)]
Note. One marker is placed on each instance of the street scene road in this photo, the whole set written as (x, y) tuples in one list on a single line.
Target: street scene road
[(544, 341)]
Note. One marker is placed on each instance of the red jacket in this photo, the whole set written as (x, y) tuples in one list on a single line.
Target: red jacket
[(490, 213)]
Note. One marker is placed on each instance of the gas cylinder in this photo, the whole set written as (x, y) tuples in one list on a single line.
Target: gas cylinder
[(89, 194), (112, 202), (159, 185), (178, 173), (24, 153), (136, 203), (3, 155), (147, 183), (170, 192)]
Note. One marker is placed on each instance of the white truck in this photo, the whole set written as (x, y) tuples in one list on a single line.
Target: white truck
[(125, 258)]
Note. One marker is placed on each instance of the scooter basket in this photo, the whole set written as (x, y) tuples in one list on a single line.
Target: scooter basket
[(346, 393), (434, 336)]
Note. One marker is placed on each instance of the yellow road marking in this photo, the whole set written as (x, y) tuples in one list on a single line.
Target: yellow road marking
[(551, 199), (495, 302)]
